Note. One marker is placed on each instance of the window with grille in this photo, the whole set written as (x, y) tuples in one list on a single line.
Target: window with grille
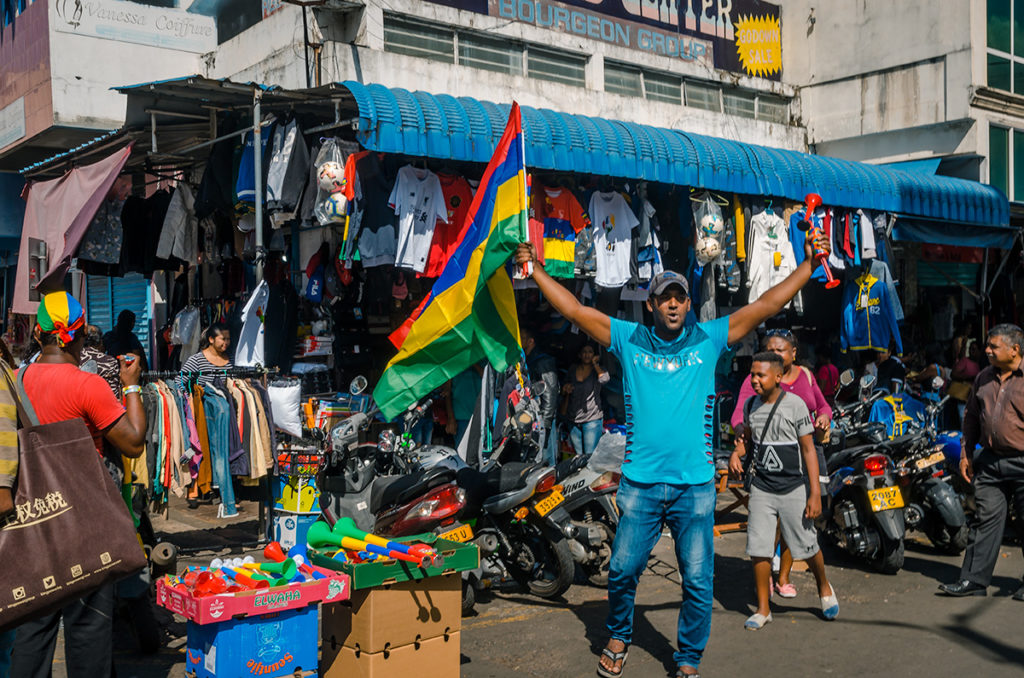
[(773, 109), (419, 40), (544, 64), (490, 54), (705, 97), (736, 102), (621, 79)]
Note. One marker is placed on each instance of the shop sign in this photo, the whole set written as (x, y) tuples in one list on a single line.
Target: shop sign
[(742, 36), (138, 24), (12, 122)]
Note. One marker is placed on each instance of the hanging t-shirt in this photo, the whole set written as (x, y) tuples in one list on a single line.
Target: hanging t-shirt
[(563, 217), (447, 234), (613, 224), (418, 200), (376, 242), (249, 351)]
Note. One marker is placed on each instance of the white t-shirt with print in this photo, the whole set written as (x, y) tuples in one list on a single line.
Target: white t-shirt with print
[(419, 202), (613, 222)]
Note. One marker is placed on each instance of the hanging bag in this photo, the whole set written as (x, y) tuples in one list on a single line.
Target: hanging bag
[(73, 533)]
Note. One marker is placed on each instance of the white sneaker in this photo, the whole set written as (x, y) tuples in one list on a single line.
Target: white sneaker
[(756, 621)]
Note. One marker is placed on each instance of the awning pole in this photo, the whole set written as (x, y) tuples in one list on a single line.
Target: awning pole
[(258, 169), (1006, 257), (984, 287)]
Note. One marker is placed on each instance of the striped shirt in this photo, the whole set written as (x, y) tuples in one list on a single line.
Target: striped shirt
[(199, 363), (8, 434)]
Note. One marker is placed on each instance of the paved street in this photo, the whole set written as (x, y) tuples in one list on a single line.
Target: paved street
[(887, 623)]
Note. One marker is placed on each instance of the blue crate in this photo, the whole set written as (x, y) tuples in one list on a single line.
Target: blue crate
[(269, 645)]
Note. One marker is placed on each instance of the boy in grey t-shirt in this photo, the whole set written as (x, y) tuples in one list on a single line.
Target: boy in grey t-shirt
[(779, 435)]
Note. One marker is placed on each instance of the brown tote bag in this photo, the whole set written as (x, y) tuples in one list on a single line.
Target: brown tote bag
[(73, 532)]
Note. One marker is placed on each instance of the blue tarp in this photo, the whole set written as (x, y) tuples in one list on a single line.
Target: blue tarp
[(463, 128)]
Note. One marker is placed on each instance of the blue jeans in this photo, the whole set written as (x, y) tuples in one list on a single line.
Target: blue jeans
[(218, 418), (689, 511), (584, 436)]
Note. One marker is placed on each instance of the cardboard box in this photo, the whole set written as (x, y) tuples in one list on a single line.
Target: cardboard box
[(374, 620), (273, 645), (214, 609), (434, 658)]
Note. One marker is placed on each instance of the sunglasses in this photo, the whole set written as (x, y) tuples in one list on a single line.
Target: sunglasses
[(782, 333)]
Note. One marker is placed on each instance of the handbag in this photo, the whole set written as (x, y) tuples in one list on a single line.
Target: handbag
[(73, 533)]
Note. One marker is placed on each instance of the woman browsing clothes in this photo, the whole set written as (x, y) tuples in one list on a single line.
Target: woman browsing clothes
[(581, 400), (216, 341)]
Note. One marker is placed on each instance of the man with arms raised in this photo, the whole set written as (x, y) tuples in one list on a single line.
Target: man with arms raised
[(668, 473)]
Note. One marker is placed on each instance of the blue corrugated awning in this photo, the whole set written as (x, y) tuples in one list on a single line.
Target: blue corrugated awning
[(463, 128), (925, 166)]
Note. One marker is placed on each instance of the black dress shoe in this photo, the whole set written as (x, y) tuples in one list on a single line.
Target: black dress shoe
[(964, 587), (1019, 595)]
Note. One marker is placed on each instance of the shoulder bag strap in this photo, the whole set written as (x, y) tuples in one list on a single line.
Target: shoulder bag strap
[(23, 415), (24, 403), (775, 406)]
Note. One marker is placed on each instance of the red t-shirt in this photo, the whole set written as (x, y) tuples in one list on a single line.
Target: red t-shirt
[(458, 196), (62, 391)]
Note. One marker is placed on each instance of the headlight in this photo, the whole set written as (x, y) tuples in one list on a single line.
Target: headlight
[(386, 441)]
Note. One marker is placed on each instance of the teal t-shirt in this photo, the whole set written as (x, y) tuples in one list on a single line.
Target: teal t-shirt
[(669, 390)]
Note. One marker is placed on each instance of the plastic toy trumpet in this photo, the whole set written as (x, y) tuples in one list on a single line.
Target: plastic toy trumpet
[(321, 535), (347, 528), (812, 201)]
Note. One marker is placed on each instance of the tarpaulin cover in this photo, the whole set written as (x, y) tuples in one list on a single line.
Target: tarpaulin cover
[(58, 212)]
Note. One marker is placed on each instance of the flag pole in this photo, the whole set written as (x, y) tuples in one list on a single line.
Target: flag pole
[(527, 269)]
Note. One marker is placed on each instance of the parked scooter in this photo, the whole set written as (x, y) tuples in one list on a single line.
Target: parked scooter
[(933, 504), (514, 511), (589, 484), (866, 516)]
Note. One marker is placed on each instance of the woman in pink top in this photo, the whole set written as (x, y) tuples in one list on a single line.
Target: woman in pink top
[(799, 381)]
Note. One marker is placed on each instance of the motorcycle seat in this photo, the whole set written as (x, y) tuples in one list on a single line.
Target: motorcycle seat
[(846, 456), (404, 489), (570, 466)]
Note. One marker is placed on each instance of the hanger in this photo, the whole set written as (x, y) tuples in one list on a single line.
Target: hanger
[(768, 207)]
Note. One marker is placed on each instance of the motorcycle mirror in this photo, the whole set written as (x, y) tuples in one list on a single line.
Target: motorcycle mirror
[(937, 383), (357, 385), (846, 378), (867, 381)]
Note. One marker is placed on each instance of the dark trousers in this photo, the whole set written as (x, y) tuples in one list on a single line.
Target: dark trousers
[(88, 631), (997, 481)]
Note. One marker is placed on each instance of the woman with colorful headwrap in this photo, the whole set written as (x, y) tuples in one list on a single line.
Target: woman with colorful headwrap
[(58, 391)]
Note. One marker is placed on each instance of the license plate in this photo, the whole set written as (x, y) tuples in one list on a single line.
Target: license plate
[(461, 534), (930, 460), (549, 503), (885, 498)]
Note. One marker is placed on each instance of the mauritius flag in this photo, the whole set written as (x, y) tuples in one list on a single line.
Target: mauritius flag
[(470, 314)]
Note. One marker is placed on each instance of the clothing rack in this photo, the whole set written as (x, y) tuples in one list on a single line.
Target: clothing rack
[(257, 371)]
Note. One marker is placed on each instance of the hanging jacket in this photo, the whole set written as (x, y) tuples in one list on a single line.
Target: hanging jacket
[(880, 270), (770, 256), (289, 168), (869, 319)]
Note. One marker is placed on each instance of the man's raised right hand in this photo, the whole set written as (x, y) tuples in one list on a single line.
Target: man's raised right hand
[(526, 253)]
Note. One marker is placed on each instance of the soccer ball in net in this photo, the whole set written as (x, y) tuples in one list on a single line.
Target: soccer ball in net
[(335, 207), (711, 224), (707, 250), (331, 176)]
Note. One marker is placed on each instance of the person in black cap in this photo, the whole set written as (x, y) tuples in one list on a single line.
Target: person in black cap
[(668, 375)]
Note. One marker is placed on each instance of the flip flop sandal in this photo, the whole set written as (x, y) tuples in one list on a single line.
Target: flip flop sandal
[(614, 656)]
